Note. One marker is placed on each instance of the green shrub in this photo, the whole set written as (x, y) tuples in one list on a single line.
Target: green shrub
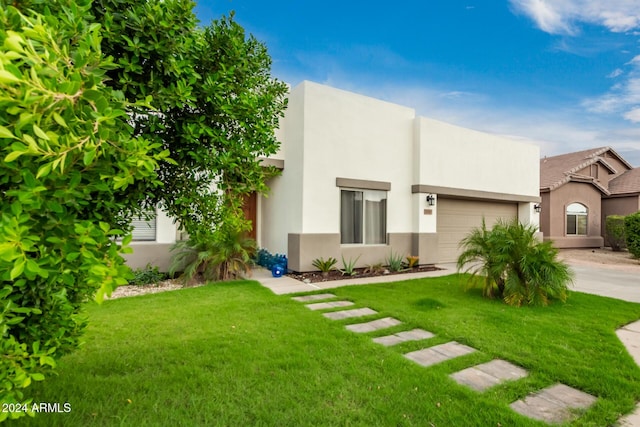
[(395, 262), (223, 255), (349, 267), (614, 226), (479, 257), (632, 232), (70, 173), (325, 266), (147, 275), (517, 267)]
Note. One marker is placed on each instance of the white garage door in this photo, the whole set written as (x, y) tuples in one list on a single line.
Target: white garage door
[(457, 217)]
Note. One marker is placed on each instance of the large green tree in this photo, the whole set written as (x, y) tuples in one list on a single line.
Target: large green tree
[(215, 102), (71, 168)]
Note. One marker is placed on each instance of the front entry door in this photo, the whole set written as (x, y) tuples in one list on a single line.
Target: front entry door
[(250, 208)]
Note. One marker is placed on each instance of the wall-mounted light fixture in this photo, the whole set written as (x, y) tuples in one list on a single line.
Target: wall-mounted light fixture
[(537, 207), (431, 200)]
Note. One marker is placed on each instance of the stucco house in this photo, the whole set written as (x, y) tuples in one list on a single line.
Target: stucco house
[(579, 190), (363, 178)]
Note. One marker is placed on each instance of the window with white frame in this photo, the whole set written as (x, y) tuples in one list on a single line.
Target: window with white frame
[(144, 229), (363, 217), (577, 219)]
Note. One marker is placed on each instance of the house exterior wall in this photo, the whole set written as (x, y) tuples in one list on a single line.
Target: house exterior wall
[(559, 199), (156, 252), (280, 212), (333, 139), (618, 206), (451, 156), (352, 137), (545, 214)]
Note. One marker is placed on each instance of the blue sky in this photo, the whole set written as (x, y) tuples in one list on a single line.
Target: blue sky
[(562, 74)]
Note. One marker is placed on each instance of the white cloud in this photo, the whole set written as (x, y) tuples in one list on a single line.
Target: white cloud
[(615, 73), (562, 16), (633, 115)]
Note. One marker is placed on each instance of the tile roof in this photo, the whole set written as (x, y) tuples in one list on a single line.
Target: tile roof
[(556, 171), (628, 182)]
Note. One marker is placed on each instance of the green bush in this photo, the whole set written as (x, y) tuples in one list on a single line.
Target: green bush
[(632, 232), (517, 267), (614, 226), (324, 265), (147, 275), (71, 171), (395, 262), (349, 267), (223, 255)]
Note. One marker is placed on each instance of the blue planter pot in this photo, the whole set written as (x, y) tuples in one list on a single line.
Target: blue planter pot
[(277, 270)]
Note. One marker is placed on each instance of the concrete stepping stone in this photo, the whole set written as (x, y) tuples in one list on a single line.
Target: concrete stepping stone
[(486, 375), (553, 404), (630, 420), (412, 335), (326, 305), (315, 297), (347, 314), (374, 325), (439, 353)]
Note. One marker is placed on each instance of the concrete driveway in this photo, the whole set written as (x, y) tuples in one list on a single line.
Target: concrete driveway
[(606, 282)]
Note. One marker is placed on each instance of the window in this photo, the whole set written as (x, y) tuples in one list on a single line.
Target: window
[(363, 217), (143, 230), (577, 219)]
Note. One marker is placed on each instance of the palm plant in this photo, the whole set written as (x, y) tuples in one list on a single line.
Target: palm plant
[(515, 265), (480, 257), (325, 266), (534, 274), (224, 255)]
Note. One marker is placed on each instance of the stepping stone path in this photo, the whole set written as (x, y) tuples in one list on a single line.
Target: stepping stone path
[(330, 304), (553, 404), (374, 325), (482, 377), (346, 314), (439, 353), (412, 335), (316, 297)]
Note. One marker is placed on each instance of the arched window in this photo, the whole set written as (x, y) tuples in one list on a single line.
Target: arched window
[(577, 219)]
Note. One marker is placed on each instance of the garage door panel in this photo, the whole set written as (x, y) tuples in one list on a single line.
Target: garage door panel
[(456, 218)]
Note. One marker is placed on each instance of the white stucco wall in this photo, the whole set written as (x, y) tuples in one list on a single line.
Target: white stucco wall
[(166, 228), (280, 213), (451, 156), (348, 135)]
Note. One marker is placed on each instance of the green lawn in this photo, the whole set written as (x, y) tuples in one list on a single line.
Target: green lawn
[(234, 354)]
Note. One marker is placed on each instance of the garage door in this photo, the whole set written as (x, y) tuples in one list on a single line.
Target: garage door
[(457, 217)]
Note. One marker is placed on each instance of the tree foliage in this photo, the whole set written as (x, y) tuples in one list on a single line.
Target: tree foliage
[(516, 266), (614, 226), (216, 105), (95, 98), (71, 168), (632, 231)]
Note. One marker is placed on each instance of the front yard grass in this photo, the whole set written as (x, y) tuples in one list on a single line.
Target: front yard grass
[(234, 354)]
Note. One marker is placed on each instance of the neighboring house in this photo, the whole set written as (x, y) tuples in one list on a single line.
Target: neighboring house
[(579, 190), (366, 178)]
